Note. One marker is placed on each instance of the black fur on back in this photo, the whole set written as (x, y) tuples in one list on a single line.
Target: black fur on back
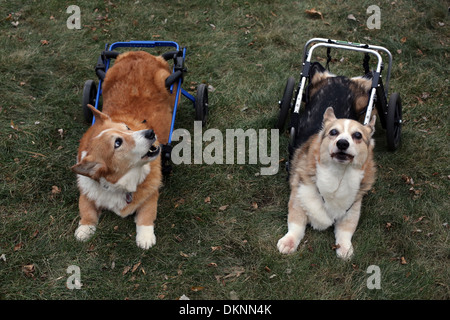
[(332, 91)]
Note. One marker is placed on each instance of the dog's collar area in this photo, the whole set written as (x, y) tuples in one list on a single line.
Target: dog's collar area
[(323, 199), (129, 197)]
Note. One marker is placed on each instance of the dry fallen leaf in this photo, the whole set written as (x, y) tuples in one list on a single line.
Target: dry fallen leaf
[(197, 288), (55, 190), (351, 17), (208, 199), (125, 270), (18, 246), (184, 254), (234, 272), (419, 219), (28, 270), (335, 246), (408, 180), (45, 42), (313, 13), (403, 260), (179, 202), (135, 267), (222, 208)]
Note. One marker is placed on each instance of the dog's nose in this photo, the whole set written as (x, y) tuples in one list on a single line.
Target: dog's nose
[(149, 134), (342, 144)]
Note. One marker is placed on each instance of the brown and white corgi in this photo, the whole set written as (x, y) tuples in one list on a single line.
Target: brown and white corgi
[(329, 175), (118, 164)]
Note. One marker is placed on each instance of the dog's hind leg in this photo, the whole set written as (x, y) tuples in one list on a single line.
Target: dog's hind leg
[(297, 221), (344, 230)]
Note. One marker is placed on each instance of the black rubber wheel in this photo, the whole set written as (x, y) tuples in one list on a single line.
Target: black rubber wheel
[(285, 103), (89, 96), (394, 122), (201, 103)]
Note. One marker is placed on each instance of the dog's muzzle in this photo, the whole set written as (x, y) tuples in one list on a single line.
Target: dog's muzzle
[(154, 149), (341, 155)]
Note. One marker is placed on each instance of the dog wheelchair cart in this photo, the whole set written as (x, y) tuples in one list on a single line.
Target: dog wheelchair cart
[(389, 110), (91, 95)]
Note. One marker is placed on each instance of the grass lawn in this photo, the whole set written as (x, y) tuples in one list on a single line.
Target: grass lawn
[(218, 225)]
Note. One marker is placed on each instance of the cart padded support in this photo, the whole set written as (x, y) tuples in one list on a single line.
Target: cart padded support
[(100, 68), (110, 54), (178, 67), (375, 79), (305, 70)]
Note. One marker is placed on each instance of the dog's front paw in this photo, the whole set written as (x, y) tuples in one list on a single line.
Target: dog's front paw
[(344, 251), (145, 237), (288, 244), (84, 232)]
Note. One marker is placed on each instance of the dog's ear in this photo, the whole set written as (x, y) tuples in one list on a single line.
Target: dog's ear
[(329, 115), (89, 167), (371, 124), (98, 114)]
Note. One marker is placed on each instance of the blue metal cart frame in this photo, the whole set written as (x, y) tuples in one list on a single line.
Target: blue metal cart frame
[(92, 96), (149, 44)]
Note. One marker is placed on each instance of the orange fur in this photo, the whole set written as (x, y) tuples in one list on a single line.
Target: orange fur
[(134, 90), (135, 100)]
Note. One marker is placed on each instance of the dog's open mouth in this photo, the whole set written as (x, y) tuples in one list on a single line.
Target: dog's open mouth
[(153, 151), (342, 156)]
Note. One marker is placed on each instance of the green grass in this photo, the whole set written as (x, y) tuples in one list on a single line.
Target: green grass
[(245, 50)]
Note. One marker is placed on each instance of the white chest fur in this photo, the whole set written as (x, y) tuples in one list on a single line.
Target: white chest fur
[(338, 186), (113, 196)]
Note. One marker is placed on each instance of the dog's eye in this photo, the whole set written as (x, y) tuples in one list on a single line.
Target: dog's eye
[(127, 127), (334, 132), (117, 143), (357, 136)]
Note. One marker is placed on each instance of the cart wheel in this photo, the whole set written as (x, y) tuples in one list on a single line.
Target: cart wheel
[(201, 104), (89, 96), (394, 122), (285, 103)]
